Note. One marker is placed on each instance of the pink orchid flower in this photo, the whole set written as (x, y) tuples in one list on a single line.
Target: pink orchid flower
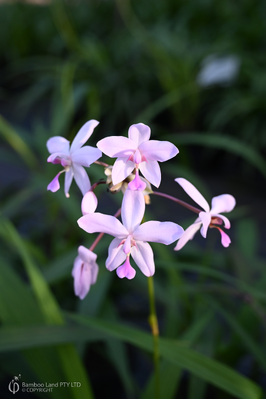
[(130, 236), (84, 272), (73, 158), (137, 152), (209, 218)]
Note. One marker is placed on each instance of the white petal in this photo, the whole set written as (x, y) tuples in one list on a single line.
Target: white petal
[(83, 134), (193, 193), (151, 171), (206, 220), (90, 259), (187, 235), (89, 203), (132, 210), (81, 178), (82, 274), (99, 222), (116, 256), (121, 170), (139, 133), (86, 155), (158, 150), (117, 146), (223, 203), (86, 254), (58, 144), (160, 232), (143, 256), (68, 180)]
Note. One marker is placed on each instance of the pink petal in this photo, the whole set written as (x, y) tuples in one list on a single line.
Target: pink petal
[(151, 171), (79, 288), (139, 133), (83, 134), (89, 203), (225, 239), (84, 272), (99, 222), (58, 144), (132, 210), (115, 255), (86, 254), (187, 235), (59, 158), (158, 150), (117, 146), (86, 155), (54, 185), (223, 203), (206, 220), (81, 178), (90, 258), (160, 232), (143, 256), (125, 270), (121, 170), (193, 193), (68, 180)]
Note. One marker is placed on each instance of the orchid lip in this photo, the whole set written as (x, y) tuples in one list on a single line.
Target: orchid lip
[(137, 183), (216, 220)]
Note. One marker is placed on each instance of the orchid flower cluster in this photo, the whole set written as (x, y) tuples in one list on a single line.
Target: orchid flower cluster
[(136, 154)]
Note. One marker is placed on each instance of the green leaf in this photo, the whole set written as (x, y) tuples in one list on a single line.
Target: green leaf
[(17, 143), (211, 272), (43, 294), (247, 340), (248, 244), (198, 364), (174, 352), (67, 354), (170, 376), (16, 338), (224, 142)]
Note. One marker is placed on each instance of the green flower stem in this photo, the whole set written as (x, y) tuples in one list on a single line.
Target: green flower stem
[(153, 321)]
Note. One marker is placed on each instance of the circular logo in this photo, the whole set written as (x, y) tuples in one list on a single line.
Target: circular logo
[(13, 386)]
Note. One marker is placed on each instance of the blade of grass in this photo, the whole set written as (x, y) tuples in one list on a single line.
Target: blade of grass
[(221, 141), (248, 341), (9, 134), (185, 358), (198, 364), (68, 355)]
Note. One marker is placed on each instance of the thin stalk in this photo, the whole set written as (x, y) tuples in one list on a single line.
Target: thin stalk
[(101, 163), (99, 237), (101, 182), (181, 202), (155, 333)]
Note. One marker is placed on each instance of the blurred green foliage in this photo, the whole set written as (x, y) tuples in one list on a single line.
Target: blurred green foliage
[(123, 62)]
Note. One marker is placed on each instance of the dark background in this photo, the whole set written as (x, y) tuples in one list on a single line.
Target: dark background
[(122, 62)]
